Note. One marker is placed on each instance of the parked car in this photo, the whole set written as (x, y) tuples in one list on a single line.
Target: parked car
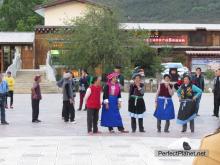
[(179, 66)]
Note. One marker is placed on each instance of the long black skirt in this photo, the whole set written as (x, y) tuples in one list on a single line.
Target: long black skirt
[(187, 111), (136, 107)]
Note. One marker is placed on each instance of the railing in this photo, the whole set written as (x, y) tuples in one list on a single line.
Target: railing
[(16, 65), (50, 71)]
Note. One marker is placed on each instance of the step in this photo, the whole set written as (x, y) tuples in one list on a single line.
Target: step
[(25, 79)]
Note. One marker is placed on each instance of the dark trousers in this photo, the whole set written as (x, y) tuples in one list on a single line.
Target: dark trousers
[(134, 125), (92, 120), (198, 99), (167, 125), (216, 104), (82, 95), (11, 95), (2, 108), (68, 111), (35, 109), (119, 128), (191, 126)]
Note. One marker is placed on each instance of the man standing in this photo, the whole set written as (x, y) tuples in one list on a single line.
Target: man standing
[(68, 99), (83, 86), (11, 82), (198, 80), (3, 93), (216, 92), (120, 76), (72, 84), (35, 98)]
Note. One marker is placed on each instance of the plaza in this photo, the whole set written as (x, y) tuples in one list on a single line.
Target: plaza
[(54, 142)]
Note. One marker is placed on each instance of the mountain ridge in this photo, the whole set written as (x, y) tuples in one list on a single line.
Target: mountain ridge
[(167, 11)]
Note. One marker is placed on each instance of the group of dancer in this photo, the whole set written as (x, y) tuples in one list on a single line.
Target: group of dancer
[(111, 104), (189, 92)]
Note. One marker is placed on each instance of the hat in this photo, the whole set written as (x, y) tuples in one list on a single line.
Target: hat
[(135, 75), (138, 71), (36, 78), (111, 75), (67, 75)]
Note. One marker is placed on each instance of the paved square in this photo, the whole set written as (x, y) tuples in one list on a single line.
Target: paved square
[(54, 142)]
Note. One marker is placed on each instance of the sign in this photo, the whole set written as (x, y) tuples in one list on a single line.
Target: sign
[(205, 63), (182, 40)]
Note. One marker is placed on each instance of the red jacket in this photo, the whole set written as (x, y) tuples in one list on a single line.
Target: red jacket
[(94, 101)]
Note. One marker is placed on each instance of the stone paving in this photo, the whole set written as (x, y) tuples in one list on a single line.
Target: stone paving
[(85, 150), (52, 125), (54, 142)]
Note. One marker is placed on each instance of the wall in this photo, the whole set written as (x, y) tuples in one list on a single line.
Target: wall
[(60, 14)]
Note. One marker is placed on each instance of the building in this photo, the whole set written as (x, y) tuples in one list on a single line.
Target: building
[(192, 44), (59, 12), (197, 45), (16, 41), (56, 16)]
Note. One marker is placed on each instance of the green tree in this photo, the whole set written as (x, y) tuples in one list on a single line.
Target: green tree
[(19, 15), (145, 56), (95, 40), (210, 74)]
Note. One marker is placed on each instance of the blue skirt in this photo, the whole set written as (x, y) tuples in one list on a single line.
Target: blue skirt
[(111, 117), (165, 109)]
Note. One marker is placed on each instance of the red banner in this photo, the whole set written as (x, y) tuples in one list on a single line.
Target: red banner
[(167, 39)]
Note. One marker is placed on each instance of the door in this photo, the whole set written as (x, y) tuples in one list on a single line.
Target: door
[(27, 57)]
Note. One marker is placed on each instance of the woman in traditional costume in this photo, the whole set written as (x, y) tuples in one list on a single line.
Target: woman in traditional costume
[(112, 103), (187, 94), (136, 105), (164, 103)]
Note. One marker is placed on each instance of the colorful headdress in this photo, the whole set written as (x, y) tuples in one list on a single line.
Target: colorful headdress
[(138, 71), (111, 75)]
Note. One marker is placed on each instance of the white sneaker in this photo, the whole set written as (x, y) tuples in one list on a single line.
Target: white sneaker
[(73, 122)]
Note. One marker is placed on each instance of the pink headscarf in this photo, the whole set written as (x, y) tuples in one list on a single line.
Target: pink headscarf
[(117, 86), (111, 75)]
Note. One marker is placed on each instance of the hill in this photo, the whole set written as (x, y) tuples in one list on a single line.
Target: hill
[(179, 11)]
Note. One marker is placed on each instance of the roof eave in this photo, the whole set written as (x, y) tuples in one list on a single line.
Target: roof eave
[(51, 4), (40, 11)]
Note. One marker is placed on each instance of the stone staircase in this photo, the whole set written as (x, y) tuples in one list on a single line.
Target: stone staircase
[(25, 78)]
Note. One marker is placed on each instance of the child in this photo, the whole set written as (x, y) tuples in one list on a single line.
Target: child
[(164, 103), (11, 82), (93, 104)]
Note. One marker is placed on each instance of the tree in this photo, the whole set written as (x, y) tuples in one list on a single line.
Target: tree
[(95, 40), (19, 15), (209, 75), (146, 57)]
